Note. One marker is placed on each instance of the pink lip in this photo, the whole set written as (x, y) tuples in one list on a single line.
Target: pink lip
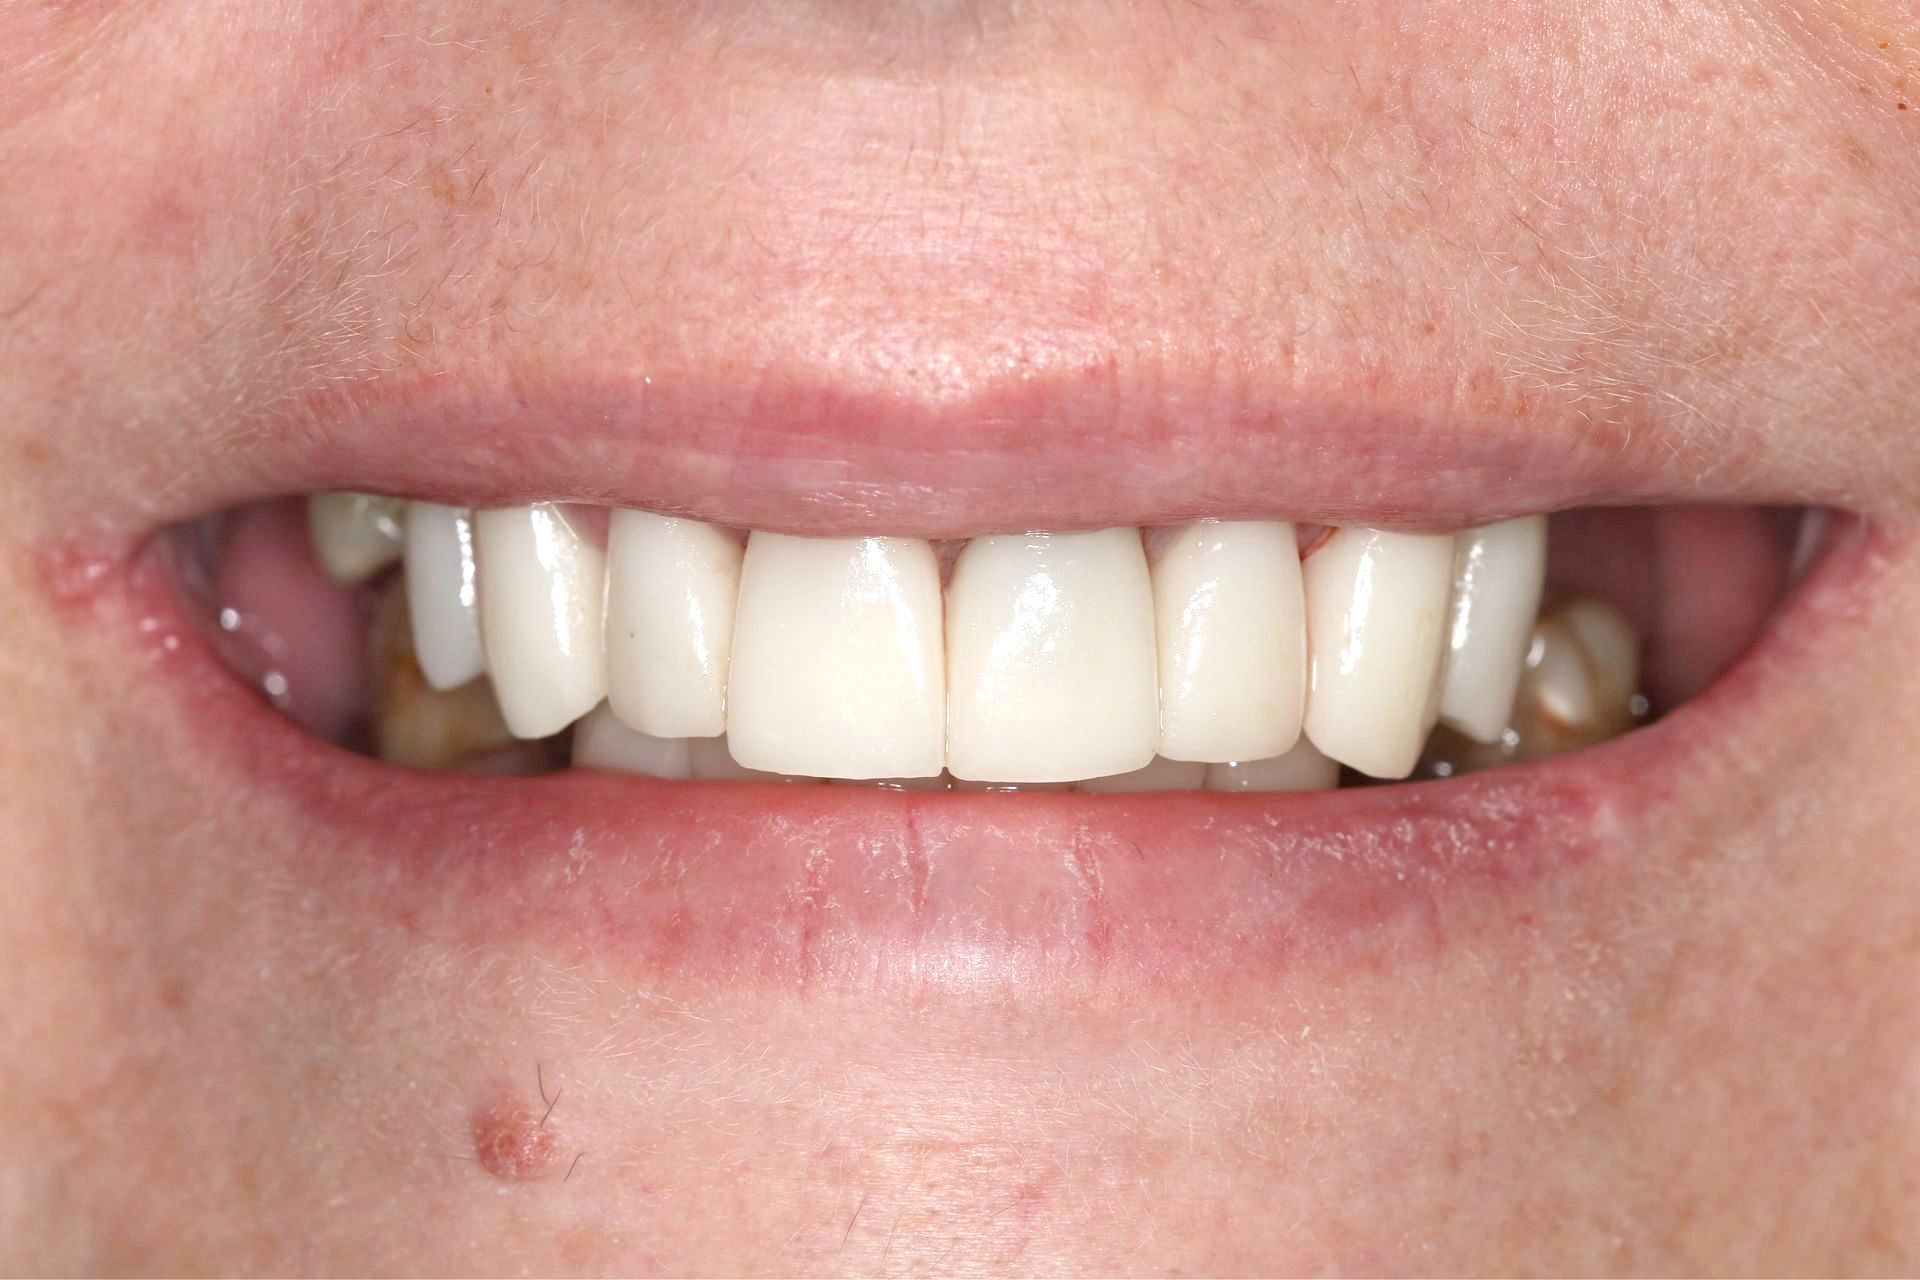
[(1052, 452), (859, 888)]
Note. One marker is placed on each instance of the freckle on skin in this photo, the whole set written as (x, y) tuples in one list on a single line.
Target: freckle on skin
[(510, 1142)]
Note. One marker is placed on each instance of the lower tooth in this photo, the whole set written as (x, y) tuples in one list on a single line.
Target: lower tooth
[(710, 760), (1162, 775), (416, 724), (601, 741), (354, 535), (940, 783), (1008, 788), (1301, 769), (542, 608)]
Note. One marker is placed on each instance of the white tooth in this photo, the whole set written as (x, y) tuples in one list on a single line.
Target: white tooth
[(1376, 632), (601, 741), (671, 586), (1301, 769), (1162, 775), (443, 594), (838, 669), (713, 762), (1233, 641), (1585, 668), (1050, 658), (354, 535), (1499, 571), (542, 613)]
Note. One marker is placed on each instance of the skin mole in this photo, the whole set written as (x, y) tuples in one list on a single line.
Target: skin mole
[(511, 1142)]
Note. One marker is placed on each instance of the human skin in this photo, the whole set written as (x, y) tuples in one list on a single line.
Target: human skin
[(1679, 231)]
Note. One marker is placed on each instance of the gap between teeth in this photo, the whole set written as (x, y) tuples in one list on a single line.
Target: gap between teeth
[(1220, 660)]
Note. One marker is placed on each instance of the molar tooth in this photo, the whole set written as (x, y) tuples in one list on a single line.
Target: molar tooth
[(542, 614), (1301, 769), (712, 761), (838, 666), (354, 535), (601, 741), (1232, 630), (443, 594), (1376, 628), (1050, 658), (1498, 573), (1161, 775), (671, 587)]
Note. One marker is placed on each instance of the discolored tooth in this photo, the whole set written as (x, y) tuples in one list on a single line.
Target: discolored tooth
[(1376, 632), (671, 587), (417, 725), (601, 741), (354, 535), (1579, 688), (1301, 769), (1231, 622), (838, 664), (443, 594), (542, 613), (1050, 658), (711, 761), (1162, 775), (1498, 573)]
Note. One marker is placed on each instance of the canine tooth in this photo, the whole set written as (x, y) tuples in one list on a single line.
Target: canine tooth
[(443, 594), (601, 741), (1301, 769), (711, 761), (1161, 775), (671, 586), (542, 612), (1498, 573), (415, 724), (354, 535), (1376, 628), (838, 664), (1050, 658), (1232, 628)]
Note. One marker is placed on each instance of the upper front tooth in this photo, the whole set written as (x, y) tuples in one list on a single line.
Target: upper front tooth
[(542, 614), (1160, 775), (671, 586), (1499, 571), (1233, 641), (1376, 630), (354, 535), (443, 594), (838, 667), (1050, 658)]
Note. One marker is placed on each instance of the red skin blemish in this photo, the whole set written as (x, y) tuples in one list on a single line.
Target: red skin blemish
[(511, 1143)]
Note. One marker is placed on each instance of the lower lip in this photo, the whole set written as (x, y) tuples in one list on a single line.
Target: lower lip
[(863, 888)]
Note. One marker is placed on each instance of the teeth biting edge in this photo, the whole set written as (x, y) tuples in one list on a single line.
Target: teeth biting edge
[(1049, 661)]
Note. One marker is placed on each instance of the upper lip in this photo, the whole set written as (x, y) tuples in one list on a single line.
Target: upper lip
[(778, 452)]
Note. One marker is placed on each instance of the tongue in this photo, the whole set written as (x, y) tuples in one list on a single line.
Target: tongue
[(285, 626), (1698, 582)]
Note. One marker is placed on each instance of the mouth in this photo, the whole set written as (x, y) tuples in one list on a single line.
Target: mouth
[(807, 748)]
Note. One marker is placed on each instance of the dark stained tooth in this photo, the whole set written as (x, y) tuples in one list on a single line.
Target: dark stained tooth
[(426, 728)]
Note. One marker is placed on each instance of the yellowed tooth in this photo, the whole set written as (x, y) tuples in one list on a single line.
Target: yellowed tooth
[(416, 725), (1579, 687), (355, 535)]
